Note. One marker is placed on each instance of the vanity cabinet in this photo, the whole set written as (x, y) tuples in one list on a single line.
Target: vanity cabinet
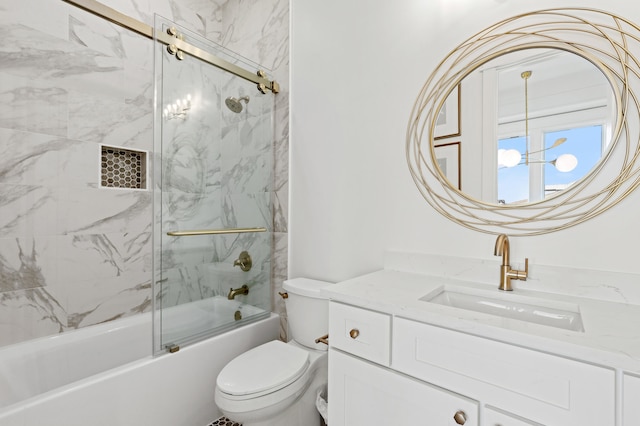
[(433, 373), (631, 400), (365, 394), (547, 389)]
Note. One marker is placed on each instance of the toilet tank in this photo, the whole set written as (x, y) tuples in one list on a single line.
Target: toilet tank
[(307, 311)]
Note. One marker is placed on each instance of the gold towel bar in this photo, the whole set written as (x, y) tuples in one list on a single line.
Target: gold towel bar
[(215, 232)]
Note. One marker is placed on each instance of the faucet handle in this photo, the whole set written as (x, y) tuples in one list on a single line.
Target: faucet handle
[(521, 275), (243, 261)]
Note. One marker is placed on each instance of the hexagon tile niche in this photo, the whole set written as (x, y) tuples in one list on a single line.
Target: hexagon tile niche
[(123, 168)]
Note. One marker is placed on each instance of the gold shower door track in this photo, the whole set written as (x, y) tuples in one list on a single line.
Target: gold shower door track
[(174, 43)]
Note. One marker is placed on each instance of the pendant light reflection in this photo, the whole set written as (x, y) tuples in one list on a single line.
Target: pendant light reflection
[(512, 157), (178, 109)]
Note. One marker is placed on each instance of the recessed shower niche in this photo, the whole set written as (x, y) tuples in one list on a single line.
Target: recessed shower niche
[(123, 168)]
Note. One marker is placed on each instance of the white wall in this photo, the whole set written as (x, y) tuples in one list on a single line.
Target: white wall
[(356, 68)]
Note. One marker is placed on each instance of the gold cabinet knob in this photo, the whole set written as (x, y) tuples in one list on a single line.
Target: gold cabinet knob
[(460, 417), (354, 333)]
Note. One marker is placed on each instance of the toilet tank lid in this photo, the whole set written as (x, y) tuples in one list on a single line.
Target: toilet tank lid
[(306, 287)]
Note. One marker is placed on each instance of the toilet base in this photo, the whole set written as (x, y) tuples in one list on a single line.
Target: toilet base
[(298, 412), (302, 412)]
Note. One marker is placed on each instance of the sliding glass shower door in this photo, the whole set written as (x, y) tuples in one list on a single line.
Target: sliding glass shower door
[(213, 189)]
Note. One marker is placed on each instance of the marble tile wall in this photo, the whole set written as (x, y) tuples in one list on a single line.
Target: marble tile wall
[(216, 173), (241, 24), (73, 254)]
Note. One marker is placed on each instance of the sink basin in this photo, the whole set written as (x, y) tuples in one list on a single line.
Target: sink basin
[(510, 305)]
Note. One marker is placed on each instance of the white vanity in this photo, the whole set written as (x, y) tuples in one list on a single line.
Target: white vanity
[(401, 355)]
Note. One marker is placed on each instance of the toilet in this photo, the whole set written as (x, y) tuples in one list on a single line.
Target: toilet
[(277, 383)]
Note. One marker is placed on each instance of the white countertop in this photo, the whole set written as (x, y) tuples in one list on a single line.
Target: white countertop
[(611, 334)]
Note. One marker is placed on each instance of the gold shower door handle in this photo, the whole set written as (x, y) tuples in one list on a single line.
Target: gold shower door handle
[(215, 232)]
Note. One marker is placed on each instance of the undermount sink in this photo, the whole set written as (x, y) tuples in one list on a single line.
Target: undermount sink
[(509, 305)]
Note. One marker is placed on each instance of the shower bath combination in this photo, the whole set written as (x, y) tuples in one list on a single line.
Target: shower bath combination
[(235, 104)]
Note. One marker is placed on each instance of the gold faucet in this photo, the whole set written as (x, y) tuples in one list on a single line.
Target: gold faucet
[(234, 292), (506, 273)]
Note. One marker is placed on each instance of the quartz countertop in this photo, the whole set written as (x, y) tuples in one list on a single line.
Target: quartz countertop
[(611, 334)]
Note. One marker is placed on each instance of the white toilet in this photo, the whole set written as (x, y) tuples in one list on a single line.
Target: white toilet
[(276, 384)]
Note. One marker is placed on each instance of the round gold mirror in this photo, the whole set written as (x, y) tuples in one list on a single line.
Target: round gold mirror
[(530, 126)]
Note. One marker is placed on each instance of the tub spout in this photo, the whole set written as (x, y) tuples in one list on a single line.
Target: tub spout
[(234, 292)]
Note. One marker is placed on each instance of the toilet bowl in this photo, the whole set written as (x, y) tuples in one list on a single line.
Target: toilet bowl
[(276, 384)]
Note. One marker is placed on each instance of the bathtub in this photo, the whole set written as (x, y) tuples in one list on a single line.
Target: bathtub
[(106, 375)]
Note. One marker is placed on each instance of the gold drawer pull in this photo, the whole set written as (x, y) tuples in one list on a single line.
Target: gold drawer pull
[(460, 417), (354, 333)]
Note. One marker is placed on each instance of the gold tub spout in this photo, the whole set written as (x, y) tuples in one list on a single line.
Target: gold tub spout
[(234, 292)]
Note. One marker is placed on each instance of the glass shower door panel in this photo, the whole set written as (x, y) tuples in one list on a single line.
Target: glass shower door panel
[(214, 137)]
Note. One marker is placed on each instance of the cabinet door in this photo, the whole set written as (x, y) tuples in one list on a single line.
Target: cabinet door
[(551, 390), (494, 417), (631, 401), (364, 394)]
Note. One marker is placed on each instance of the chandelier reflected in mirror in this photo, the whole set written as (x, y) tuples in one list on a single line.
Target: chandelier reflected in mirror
[(512, 157)]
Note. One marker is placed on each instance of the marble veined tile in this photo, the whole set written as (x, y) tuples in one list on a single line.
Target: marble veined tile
[(103, 256), (28, 210), (104, 210), (186, 15), (29, 314), (256, 29), (183, 211), (134, 299), (37, 159), (96, 33), (33, 54), (247, 210), (30, 158), (250, 174), (51, 17), (28, 263), (35, 105), (280, 210)]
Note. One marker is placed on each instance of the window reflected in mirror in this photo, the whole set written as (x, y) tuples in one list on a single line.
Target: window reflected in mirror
[(553, 161)]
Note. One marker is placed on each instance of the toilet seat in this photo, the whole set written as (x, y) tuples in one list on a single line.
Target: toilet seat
[(262, 370)]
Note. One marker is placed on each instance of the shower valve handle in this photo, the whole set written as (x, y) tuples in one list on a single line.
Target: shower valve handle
[(244, 261)]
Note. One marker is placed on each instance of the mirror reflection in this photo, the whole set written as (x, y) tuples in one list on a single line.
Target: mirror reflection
[(532, 123)]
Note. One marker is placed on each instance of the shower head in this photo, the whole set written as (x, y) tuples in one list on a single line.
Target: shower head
[(234, 104)]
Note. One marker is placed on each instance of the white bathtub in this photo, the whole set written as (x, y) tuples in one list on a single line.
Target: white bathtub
[(105, 375)]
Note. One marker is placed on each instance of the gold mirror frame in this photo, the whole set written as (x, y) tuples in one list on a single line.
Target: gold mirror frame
[(609, 42)]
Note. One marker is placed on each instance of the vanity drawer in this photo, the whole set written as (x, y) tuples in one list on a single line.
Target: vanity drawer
[(493, 417), (533, 385), (360, 332)]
